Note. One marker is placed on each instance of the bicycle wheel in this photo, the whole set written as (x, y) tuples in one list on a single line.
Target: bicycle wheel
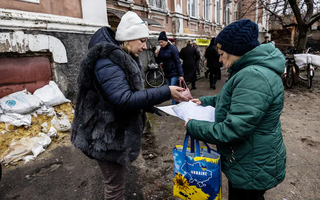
[(154, 78)]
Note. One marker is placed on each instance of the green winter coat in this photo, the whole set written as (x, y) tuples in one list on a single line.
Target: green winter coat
[(247, 130)]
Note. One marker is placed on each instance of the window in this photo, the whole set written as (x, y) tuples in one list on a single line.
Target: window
[(31, 1), (192, 6), (228, 13), (228, 16), (218, 14), (158, 4), (206, 10), (235, 11)]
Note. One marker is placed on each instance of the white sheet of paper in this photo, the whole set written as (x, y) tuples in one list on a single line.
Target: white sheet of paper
[(168, 110), (190, 110)]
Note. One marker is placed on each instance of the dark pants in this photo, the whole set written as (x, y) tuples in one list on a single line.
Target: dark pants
[(114, 179), (216, 71), (241, 194)]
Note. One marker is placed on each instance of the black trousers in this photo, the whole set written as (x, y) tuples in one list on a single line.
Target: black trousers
[(215, 74), (241, 194)]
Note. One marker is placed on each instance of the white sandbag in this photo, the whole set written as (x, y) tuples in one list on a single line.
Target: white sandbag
[(51, 95), (52, 132), (41, 145), (305, 58), (45, 110), (16, 119), (61, 123), (44, 126), (22, 102), (1, 110), (18, 150)]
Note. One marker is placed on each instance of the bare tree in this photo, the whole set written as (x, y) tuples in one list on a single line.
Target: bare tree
[(305, 12)]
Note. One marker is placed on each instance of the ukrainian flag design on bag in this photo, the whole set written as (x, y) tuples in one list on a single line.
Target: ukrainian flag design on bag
[(197, 175)]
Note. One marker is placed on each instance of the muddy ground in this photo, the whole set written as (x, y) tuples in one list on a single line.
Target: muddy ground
[(63, 172)]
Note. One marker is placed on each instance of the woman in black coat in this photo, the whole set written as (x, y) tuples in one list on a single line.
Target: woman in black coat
[(213, 64), (190, 56), (111, 101)]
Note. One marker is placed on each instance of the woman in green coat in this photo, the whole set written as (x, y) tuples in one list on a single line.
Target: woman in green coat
[(247, 127)]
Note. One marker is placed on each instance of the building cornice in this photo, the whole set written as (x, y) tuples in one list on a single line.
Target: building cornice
[(15, 19)]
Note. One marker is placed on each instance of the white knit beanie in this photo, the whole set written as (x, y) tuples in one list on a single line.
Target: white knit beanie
[(131, 27)]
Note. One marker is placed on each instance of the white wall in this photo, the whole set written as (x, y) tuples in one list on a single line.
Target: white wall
[(95, 11)]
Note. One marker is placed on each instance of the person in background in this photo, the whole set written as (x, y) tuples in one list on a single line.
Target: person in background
[(111, 101), (194, 44), (247, 128), (173, 42), (213, 64), (266, 40), (168, 55), (189, 56)]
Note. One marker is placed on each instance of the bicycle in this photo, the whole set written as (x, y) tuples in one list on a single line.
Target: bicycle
[(307, 73), (154, 75)]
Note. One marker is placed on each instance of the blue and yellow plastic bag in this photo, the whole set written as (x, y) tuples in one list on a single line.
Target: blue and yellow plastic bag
[(197, 172)]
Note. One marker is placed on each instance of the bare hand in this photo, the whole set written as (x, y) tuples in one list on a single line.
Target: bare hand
[(181, 78), (156, 52), (176, 95), (185, 124), (197, 101)]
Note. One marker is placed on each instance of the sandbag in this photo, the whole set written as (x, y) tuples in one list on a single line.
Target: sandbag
[(51, 95), (22, 102)]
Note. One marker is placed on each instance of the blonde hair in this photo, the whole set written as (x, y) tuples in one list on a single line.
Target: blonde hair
[(125, 46)]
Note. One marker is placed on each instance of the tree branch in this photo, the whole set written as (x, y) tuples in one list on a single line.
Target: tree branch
[(296, 12), (313, 19), (266, 7), (309, 14)]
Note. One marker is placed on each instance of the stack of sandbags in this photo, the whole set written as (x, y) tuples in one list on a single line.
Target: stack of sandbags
[(29, 121)]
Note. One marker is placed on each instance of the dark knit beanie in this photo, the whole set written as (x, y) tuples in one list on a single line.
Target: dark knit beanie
[(163, 36), (238, 37)]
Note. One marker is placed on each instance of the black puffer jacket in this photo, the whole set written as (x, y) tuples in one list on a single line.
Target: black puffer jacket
[(169, 56), (109, 116)]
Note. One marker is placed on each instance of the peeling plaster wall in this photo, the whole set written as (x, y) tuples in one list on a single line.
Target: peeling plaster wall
[(64, 72), (19, 42)]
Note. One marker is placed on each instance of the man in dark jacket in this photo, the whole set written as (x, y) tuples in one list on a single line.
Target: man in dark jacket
[(190, 56), (195, 45), (213, 64)]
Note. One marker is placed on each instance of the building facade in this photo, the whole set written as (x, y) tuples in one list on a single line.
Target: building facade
[(43, 40), (186, 20)]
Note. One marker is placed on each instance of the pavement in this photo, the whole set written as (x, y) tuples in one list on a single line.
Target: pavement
[(64, 172)]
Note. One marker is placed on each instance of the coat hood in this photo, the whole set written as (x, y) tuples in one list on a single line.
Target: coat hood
[(265, 55), (104, 34)]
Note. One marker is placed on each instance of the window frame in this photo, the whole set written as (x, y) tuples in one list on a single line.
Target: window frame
[(218, 13), (164, 7), (196, 8), (207, 10)]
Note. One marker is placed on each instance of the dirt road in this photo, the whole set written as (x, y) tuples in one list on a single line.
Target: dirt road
[(63, 172)]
